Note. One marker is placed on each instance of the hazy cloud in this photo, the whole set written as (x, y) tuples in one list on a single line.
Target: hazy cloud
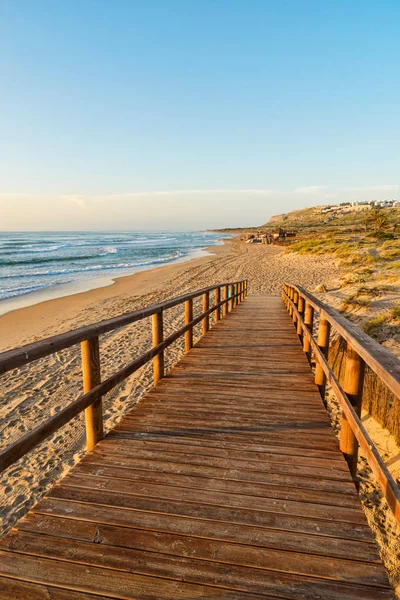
[(310, 189), (372, 188), (80, 201), (19, 195), (190, 192)]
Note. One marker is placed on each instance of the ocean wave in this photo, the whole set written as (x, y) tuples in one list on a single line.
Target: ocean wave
[(6, 294), (33, 261), (90, 268), (27, 249), (37, 260), (39, 248), (150, 241)]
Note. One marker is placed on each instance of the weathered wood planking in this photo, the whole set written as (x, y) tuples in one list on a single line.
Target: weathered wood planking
[(225, 481)]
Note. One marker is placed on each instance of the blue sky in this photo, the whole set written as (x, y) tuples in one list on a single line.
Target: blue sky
[(184, 114)]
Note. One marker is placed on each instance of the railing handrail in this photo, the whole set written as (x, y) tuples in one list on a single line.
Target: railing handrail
[(11, 359), (349, 396), (380, 360), (94, 388)]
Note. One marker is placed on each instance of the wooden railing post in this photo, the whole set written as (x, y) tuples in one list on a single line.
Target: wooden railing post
[(217, 301), (291, 295), (206, 306), (234, 300), (239, 291), (188, 319), (158, 337), (230, 303), (353, 387), (324, 330), (225, 306), (309, 323), (91, 377), (300, 308), (295, 302)]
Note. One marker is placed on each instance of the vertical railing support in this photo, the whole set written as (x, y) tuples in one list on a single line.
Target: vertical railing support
[(295, 302), (92, 377), (158, 337), (291, 295), (230, 303), (309, 323), (225, 307), (353, 386), (217, 301), (188, 319), (206, 306), (300, 308), (324, 330)]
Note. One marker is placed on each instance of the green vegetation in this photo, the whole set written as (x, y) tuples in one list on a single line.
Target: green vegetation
[(364, 295), (360, 276), (378, 220), (395, 312), (313, 220), (389, 319), (364, 245), (355, 300), (376, 290)]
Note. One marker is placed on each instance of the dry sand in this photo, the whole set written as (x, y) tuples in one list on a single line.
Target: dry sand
[(32, 393)]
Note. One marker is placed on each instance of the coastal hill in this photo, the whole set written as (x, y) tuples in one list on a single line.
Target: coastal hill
[(352, 216), (334, 216)]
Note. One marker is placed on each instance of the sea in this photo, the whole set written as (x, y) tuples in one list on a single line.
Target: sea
[(35, 261)]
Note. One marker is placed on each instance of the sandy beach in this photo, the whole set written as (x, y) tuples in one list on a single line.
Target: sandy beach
[(41, 389), (264, 266)]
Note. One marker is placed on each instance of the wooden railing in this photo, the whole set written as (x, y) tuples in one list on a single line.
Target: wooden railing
[(94, 389), (361, 351)]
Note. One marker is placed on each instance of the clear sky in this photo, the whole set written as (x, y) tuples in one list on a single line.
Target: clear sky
[(189, 114)]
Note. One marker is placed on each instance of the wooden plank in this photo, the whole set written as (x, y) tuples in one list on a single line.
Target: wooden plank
[(275, 520), (270, 466), (13, 589), (253, 477), (273, 455), (46, 514), (232, 486), (114, 439), (117, 583), (215, 497), (57, 529), (130, 562)]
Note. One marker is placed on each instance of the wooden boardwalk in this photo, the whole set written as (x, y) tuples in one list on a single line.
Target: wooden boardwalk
[(226, 481)]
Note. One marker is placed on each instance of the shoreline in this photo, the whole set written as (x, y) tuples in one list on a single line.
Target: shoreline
[(23, 324), (64, 290)]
